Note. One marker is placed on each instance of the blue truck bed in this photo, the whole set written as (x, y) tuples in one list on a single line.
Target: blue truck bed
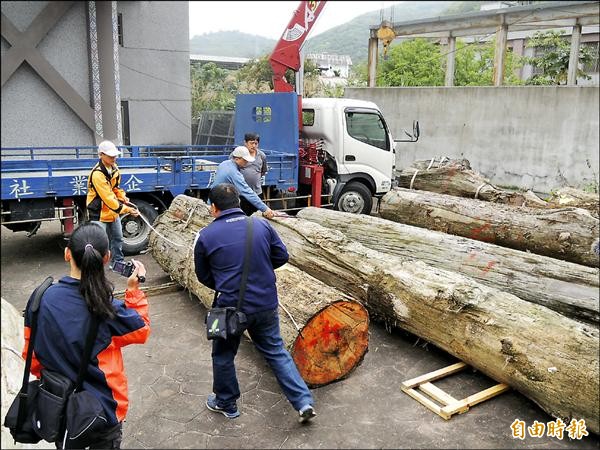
[(35, 172)]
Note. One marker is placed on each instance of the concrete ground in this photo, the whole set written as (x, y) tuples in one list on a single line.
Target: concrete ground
[(170, 377)]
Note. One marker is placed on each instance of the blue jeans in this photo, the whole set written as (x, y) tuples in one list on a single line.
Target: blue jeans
[(115, 236), (263, 328)]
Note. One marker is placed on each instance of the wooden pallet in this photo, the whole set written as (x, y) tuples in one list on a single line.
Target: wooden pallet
[(451, 405)]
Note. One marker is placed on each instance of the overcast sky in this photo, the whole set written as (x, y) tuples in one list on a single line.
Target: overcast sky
[(269, 19)]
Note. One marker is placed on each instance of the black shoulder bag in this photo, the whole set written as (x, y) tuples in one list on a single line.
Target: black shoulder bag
[(229, 321), (18, 417), (85, 418), (64, 410)]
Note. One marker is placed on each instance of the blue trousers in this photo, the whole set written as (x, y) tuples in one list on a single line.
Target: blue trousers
[(115, 236), (263, 328)]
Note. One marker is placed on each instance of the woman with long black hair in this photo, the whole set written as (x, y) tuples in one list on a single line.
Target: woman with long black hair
[(64, 318)]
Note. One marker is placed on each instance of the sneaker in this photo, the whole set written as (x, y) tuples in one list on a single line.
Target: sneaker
[(306, 413), (211, 403)]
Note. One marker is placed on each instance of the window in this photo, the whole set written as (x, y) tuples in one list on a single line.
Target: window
[(308, 117), (261, 114), (125, 123), (367, 127), (120, 28)]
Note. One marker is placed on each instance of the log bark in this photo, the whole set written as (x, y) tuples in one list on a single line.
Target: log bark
[(571, 289), (325, 330), (455, 177), (546, 356), (570, 234)]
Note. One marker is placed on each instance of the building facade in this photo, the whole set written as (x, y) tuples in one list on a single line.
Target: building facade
[(75, 73)]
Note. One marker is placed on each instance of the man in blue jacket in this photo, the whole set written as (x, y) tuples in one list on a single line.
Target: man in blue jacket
[(219, 257), (229, 172)]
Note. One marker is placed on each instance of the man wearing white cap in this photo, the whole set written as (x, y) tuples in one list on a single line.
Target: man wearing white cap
[(229, 172), (106, 201)]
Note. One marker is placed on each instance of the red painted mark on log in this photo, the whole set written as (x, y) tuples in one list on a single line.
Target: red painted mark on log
[(477, 233), (488, 267)]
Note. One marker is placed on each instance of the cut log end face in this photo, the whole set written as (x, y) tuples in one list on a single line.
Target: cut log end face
[(332, 343)]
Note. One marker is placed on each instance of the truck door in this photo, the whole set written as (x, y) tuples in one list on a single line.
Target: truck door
[(367, 146)]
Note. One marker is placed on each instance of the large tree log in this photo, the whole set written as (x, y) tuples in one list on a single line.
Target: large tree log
[(455, 177), (548, 357), (325, 330), (570, 234), (571, 289)]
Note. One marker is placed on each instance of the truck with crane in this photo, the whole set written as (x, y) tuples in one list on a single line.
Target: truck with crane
[(336, 149)]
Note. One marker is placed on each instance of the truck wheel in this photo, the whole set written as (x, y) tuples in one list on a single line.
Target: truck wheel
[(136, 232), (355, 198)]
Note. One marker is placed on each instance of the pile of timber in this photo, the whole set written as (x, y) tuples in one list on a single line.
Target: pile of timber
[(570, 234), (325, 330), (455, 177), (571, 289), (550, 358)]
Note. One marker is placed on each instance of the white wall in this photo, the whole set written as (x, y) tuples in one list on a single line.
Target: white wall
[(535, 137)]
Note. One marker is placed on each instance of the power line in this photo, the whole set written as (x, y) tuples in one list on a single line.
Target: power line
[(173, 116), (155, 77)]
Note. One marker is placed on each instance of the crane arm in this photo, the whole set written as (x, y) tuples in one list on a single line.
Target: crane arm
[(286, 54)]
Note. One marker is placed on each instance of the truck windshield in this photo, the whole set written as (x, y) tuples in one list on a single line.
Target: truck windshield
[(368, 128)]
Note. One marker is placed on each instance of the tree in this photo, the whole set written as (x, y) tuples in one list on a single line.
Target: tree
[(419, 62), (412, 63), (475, 65), (256, 77), (212, 89), (553, 58)]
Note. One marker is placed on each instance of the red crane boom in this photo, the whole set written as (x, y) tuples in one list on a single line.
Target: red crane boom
[(286, 54)]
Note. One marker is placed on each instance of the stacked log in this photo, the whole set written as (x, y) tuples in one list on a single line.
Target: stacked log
[(325, 330), (568, 288), (570, 234), (455, 177), (551, 359)]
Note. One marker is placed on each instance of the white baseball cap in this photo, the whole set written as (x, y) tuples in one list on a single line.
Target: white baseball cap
[(242, 152), (108, 148)]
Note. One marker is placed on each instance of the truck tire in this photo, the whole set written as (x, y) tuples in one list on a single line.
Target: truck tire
[(355, 198), (136, 232)]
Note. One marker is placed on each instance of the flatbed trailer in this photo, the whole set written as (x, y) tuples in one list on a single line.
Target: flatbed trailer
[(50, 183)]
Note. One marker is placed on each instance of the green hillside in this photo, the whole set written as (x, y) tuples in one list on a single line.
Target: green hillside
[(350, 38)]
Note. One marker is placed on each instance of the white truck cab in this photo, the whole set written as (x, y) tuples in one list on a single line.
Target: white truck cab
[(359, 148)]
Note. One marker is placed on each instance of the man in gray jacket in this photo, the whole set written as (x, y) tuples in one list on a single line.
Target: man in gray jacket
[(254, 171)]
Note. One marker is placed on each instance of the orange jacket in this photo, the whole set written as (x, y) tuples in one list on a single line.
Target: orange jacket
[(105, 199), (62, 329)]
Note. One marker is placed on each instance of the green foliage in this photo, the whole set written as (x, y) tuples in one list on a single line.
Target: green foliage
[(415, 62), (474, 65), (255, 77), (358, 76), (590, 188), (212, 89), (554, 52), (419, 62)]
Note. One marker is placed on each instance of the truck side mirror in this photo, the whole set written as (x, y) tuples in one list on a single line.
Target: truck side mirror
[(414, 137)]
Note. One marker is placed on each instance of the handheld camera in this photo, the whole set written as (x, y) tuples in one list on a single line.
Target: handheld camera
[(126, 268)]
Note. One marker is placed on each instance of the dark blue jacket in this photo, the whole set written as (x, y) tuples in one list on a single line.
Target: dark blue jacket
[(219, 255), (63, 321)]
